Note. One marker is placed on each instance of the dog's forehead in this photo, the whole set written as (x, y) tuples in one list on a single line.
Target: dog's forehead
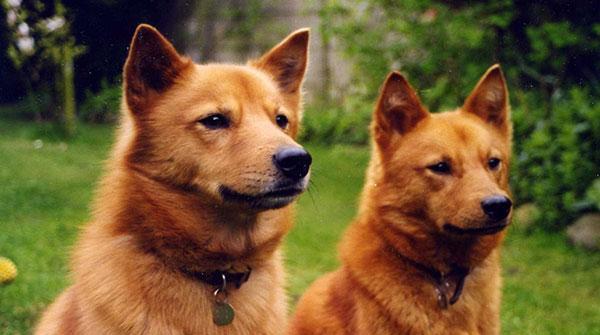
[(450, 130), (223, 82), (468, 129)]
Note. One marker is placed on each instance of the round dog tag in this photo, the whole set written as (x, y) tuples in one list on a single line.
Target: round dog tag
[(223, 313)]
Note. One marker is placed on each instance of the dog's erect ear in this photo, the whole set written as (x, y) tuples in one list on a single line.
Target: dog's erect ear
[(287, 61), (152, 66), (398, 108), (489, 100)]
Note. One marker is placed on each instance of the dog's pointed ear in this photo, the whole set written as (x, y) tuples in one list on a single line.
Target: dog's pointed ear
[(152, 66), (398, 108), (287, 61), (489, 100)]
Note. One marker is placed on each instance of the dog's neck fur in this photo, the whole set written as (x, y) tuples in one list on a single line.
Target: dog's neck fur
[(435, 250), (184, 229)]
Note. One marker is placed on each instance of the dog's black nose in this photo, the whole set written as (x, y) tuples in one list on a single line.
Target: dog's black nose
[(496, 207), (293, 162)]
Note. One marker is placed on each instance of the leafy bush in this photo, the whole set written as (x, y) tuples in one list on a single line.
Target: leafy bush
[(444, 46), (557, 156), (33, 106), (592, 195), (329, 125), (102, 107)]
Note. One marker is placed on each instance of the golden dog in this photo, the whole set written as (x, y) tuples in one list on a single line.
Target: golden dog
[(422, 254), (188, 221)]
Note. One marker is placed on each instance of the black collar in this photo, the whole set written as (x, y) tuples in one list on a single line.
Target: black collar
[(443, 281), (220, 278)]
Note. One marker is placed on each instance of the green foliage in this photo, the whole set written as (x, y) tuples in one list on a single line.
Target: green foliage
[(38, 34), (442, 49), (103, 106), (330, 125), (444, 46), (550, 39), (557, 157), (30, 107), (592, 195), (41, 41)]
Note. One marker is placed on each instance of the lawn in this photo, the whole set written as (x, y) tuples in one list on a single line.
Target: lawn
[(47, 185)]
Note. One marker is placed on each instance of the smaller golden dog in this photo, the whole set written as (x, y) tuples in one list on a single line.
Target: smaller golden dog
[(191, 213), (422, 255)]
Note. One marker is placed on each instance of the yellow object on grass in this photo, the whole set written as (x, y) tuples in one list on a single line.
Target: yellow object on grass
[(8, 270)]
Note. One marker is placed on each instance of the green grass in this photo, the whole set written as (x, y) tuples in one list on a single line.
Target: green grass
[(44, 196), (550, 287)]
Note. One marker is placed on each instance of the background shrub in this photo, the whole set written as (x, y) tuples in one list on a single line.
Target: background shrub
[(557, 158), (33, 106), (102, 107), (592, 195), (336, 124)]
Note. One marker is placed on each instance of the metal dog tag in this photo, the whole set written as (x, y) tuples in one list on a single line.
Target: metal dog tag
[(223, 313)]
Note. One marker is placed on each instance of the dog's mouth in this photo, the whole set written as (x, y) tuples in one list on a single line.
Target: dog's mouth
[(487, 230), (273, 199)]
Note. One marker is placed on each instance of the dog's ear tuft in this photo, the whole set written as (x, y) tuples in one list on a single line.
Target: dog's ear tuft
[(489, 100), (287, 61), (398, 108), (153, 64)]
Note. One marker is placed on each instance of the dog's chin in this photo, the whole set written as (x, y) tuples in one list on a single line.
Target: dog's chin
[(272, 199), (488, 229)]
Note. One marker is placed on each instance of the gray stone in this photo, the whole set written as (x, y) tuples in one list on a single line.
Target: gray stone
[(585, 232), (525, 215)]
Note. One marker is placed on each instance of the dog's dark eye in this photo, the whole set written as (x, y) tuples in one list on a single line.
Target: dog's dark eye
[(215, 121), (494, 163), (282, 121), (440, 168)]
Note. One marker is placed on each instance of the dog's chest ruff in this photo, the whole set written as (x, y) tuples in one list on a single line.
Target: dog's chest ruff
[(451, 282)]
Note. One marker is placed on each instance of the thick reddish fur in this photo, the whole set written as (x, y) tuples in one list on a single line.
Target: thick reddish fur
[(158, 209), (404, 207)]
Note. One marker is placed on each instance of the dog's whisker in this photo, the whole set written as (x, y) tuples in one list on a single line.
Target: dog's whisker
[(312, 200)]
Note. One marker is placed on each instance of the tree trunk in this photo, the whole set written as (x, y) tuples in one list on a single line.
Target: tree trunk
[(325, 65), (66, 84)]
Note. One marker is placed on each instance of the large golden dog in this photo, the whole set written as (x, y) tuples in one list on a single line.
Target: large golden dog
[(422, 255), (188, 221)]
